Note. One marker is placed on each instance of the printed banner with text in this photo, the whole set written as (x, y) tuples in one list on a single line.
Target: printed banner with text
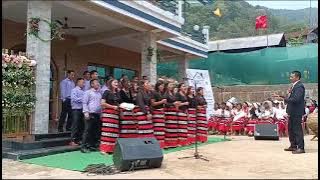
[(200, 78)]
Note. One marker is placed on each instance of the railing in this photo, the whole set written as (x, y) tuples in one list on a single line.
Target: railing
[(15, 125), (196, 35), (167, 5)]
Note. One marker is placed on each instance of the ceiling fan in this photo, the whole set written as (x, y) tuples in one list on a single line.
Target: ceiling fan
[(66, 26)]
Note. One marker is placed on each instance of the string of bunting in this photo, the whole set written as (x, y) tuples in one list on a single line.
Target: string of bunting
[(56, 31)]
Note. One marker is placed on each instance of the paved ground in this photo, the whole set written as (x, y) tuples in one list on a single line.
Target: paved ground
[(242, 157)]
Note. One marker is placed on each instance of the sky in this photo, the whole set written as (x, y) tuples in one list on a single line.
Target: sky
[(276, 4)]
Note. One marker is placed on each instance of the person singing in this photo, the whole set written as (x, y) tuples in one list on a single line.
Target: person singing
[(91, 108), (66, 87), (202, 124), (171, 134), (77, 114), (182, 114), (128, 122), (142, 112), (110, 117), (158, 116)]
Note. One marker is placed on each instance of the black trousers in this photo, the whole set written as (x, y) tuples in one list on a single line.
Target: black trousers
[(66, 111), (295, 132), (77, 125), (91, 135)]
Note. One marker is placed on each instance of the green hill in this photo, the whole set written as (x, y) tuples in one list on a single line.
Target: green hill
[(238, 19)]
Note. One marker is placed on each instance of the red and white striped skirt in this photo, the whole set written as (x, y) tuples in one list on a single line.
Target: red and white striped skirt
[(158, 119), (202, 125), (281, 125), (171, 124), (249, 127), (192, 112), (145, 126), (224, 125), (128, 124), (109, 129), (238, 125), (183, 128)]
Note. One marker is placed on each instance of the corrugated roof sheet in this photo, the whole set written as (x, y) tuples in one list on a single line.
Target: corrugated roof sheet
[(246, 42)]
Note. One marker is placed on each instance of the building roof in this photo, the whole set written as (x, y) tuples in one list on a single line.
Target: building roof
[(248, 42), (315, 30)]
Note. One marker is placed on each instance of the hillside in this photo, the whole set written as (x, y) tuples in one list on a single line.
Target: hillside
[(300, 16), (238, 19)]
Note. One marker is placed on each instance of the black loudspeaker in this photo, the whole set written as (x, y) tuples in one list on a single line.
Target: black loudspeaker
[(266, 132), (137, 153)]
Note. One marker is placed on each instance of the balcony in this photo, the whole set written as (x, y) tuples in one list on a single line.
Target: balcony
[(171, 5), (198, 34)]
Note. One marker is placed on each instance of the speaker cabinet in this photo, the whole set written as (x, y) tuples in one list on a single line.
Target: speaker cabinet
[(137, 153), (266, 132)]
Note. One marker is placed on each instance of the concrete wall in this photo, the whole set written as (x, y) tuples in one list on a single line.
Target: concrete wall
[(67, 54), (258, 93)]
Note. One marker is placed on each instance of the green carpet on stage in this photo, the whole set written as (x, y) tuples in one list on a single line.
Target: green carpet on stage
[(78, 161)]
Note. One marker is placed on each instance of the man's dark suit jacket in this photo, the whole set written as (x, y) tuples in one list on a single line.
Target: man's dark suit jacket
[(295, 102)]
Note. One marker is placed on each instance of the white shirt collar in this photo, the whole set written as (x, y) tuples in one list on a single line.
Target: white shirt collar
[(295, 83)]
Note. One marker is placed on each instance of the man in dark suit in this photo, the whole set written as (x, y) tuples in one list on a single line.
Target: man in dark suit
[(295, 110)]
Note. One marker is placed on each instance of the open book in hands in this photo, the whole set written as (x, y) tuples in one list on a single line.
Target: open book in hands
[(127, 106)]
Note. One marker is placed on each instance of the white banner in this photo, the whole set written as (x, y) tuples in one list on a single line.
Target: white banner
[(200, 78)]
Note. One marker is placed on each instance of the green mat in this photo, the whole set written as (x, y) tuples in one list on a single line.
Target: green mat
[(78, 161)]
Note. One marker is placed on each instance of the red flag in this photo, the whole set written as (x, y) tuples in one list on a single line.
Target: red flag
[(261, 22)]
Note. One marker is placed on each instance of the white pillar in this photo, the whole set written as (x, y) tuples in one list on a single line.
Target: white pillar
[(205, 31), (180, 8), (149, 63), (41, 51), (183, 65)]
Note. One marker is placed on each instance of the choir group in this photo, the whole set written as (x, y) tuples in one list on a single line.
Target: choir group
[(173, 113)]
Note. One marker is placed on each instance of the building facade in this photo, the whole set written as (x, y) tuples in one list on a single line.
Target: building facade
[(114, 37)]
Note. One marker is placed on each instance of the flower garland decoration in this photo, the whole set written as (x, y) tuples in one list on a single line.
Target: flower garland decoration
[(18, 85), (56, 30), (159, 58), (149, 53)]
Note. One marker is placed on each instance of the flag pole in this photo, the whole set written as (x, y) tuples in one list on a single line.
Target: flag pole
[(267, 37)]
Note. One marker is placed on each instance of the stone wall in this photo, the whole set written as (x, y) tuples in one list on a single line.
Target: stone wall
[(258, 93)]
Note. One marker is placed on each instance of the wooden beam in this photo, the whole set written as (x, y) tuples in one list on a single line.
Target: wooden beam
[(94, 38)]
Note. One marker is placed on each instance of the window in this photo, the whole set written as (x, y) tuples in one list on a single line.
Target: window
[(117, 72), (103, 71)]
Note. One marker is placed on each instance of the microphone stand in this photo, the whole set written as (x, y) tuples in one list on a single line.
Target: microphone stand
[(196, 154), (221, 89)]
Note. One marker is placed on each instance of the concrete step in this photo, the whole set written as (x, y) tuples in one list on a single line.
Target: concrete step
[(28, 145), (38, 137), (33, 153)]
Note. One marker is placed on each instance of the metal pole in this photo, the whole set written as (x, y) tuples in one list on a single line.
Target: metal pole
[(310, 23)]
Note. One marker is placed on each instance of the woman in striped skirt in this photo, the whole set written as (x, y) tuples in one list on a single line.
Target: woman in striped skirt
[(171, 120), (142, 110), (158, 116), (192, 114), (128, 123), (182, 114), (202, 123), (110, 117)]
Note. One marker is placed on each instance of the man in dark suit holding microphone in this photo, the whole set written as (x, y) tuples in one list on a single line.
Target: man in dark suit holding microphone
[(295, 110)]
